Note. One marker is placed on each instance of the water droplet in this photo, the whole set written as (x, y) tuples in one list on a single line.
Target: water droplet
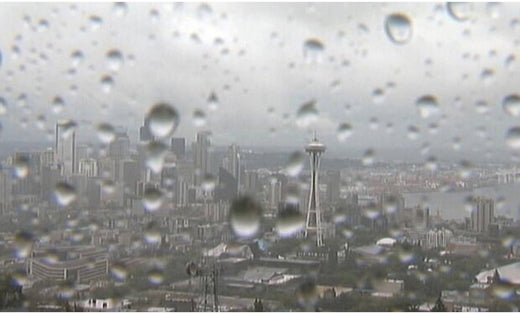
[(378, 95), (20, 166), (77, 57), (460, 11), (398, 28), (368, 157), (307, 294), (152, 233), (67, 127), (192, 269), (307, 114), (427, 106), (511, 105), (344, 131), (313, 50), (120, 9), (289, 222), (208, 183), (152, 199), (119, 272), (155, 154), (105, 133), (199, 118), (3, 106), (57, 104), (295, 164), (245, 215), (204, 11), (513, 138), (413, 132), (155, 277), (23, 243), (487, 76), (164, 119), (213, 102), (64, 193), (108, 186), (107, 83), (95, 22), (482, 107), (115, 60)]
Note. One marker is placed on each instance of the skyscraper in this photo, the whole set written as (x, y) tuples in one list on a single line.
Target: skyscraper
[(201, 156), (232, 163), (144, 132), (65, 146), (483, 215), (178, 146), (313, 225)]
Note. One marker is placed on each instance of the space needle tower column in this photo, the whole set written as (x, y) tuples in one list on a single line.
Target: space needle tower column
[(313, 225)]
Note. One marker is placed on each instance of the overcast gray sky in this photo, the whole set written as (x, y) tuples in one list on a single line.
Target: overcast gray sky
[(252, 57)]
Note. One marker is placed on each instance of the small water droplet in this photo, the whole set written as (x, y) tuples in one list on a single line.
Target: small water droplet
[(295, 164), (64, 193), (120, 9), (95, 22), (119, 271), (307, 294), (313, 50), (513, 138), (67, 128), (511, 105), (57, 104), (208, 183), (204, 11), (213, 102), (107, 83), (3, 106), (398, 28), (115, 60), (378, 95), (413, 132), (152, 233), (199, 118), (77, 57), (427, 106), (106, 133), (459, 11), (487, 76), (368, 157), (20, 166), (164, 120), (155, 277), (245, 215), (152, 199), (344, 131), (23, 243), (307, 114)]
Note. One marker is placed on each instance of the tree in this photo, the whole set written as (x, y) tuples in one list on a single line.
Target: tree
[(258, 306), (439, 306)]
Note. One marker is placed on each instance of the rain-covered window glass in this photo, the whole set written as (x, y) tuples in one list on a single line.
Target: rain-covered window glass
[(259, 157)]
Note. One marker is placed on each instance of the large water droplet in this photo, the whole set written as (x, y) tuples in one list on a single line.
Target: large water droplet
[(105, 133), (344, 131), (289, 222), (307, 294), (20, 166), (245, 215), (64, 193), (155, 154), (119, 271), (313, 50), (23, 244), (513, 138), (398, 28), (295, 164), (511, 105), (115, 60), (307, 114), (427, 106), (152, 199), (164, 119)]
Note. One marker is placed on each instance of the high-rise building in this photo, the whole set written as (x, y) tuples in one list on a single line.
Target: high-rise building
[(181, 192), (129, 175), (119, 148), (144, 132), (251, 184), (227, 187), (201, 156), (333, 180), (274, 193), (88, 167), (178, 146), (315, 149), (232, 162), (483, 215), (65, 147), (5, 194)]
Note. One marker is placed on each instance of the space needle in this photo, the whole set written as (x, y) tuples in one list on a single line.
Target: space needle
[(313, 225)]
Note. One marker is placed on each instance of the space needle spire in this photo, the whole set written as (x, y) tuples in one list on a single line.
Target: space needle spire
[(315, 149)]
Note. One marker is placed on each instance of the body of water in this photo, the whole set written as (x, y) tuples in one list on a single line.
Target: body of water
[(452, 205)]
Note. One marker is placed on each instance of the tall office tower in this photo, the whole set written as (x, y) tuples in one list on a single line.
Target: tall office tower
[(65, 147), (483, 215), (88, 167), (181, 192), (178, 146), (82, 152), (232, 162), (251, 184), (50, 176), (227, 188), (201, 156), (46, 157), (274, 193), (119, 148), (129, 175), (144, 132), (315, 149), (333, 186), (5, 194)]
